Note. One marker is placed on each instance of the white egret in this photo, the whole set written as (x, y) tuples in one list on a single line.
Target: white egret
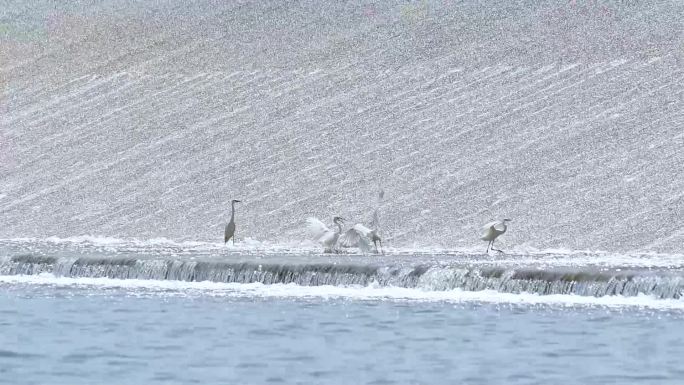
[(492, 231), (230, 227), (361, 236), (321, 233)]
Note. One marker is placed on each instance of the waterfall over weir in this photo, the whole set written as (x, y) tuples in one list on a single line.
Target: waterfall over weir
[(587, 281)]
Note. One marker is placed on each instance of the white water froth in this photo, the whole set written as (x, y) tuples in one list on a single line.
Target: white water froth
[(358, 293)]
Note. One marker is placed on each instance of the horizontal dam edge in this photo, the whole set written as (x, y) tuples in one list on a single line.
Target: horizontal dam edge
[(433, 276)]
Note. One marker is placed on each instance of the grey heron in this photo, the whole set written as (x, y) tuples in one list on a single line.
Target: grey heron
[(492, 231), (230, 227), (321, 233)]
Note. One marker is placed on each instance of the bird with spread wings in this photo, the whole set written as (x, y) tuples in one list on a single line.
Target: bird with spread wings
[(361, 236)]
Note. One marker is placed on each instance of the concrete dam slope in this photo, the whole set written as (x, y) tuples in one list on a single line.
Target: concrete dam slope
[(143, 120)]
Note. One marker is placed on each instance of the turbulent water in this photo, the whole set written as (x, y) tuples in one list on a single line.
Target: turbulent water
[(144, 119), (638, 280)]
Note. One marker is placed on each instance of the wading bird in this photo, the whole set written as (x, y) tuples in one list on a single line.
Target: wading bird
[(321, 233), (230, 227), (361, 236), (492, 231)]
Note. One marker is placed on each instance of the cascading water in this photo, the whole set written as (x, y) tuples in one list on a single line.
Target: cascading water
[(544, 275)]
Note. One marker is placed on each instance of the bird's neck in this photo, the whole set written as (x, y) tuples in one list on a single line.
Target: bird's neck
[(232, 210), (339, 227)]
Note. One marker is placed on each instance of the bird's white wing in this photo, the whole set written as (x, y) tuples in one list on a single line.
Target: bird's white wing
[(486, 228), (362, 230), (316, 228), (349, 238), (356, 237), (328, 239), (490, 224)]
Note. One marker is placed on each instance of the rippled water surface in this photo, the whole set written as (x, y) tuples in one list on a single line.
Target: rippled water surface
[(82, 334)]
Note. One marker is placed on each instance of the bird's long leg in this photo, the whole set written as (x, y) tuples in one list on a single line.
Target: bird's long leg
[(233, 239), (375, 243), (500, 251), (381, 250), (488, 246)]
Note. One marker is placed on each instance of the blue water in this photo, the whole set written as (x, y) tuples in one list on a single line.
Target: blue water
[(85, 334)]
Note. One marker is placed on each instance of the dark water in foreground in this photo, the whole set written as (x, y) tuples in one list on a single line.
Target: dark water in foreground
[(85, 332)]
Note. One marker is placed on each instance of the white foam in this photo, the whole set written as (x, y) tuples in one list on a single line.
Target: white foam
[(361, 293)]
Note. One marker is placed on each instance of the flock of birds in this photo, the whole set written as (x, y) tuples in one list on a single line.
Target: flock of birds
[(359, 235)]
